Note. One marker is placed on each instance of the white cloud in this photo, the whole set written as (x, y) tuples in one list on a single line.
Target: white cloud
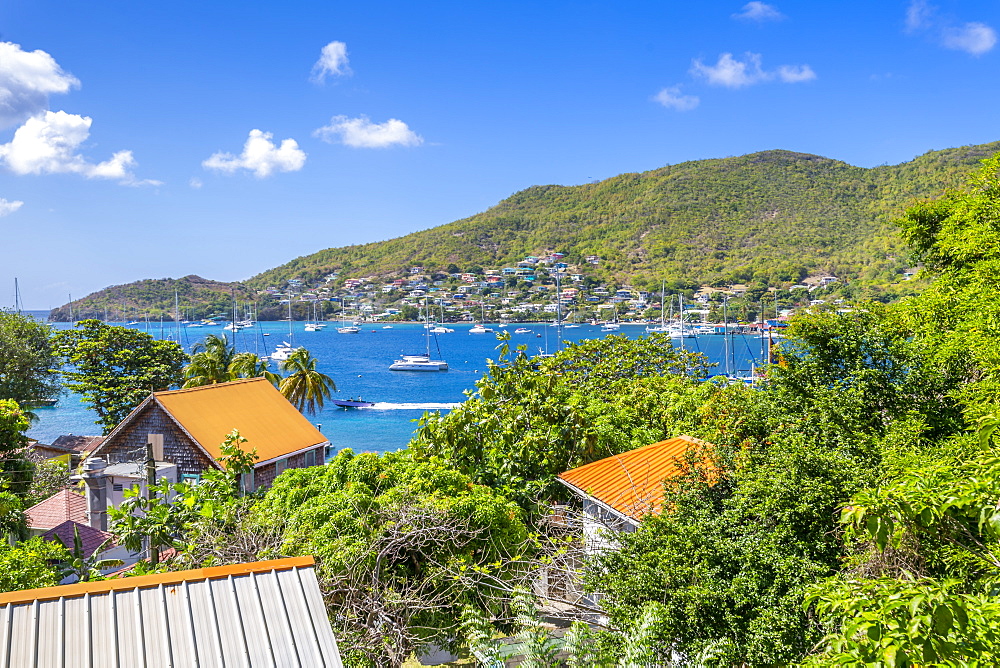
[(362, 133), (48, 144), (973, 38), (759, 11), (796, 73), (919, 15), (27, 78), (260, 156), (332, 61), (7, 208), (733, 73), (195, 182), (672, 98), (730, 72)]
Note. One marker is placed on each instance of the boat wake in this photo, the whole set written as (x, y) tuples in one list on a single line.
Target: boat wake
[(385, 406)]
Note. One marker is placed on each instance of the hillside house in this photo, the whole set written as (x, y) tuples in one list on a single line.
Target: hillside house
[(619, 491), (193, 423)]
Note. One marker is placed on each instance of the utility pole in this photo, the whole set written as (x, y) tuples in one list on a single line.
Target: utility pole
[(154, 551)]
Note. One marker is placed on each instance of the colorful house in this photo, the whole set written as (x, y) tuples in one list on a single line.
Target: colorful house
[(188, 427), (619, 491)]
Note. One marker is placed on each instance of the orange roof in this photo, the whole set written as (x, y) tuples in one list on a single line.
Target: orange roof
[(632, 482), (264, 417), (53, 511)]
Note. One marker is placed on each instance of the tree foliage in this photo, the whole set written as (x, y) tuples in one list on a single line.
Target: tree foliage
[(401, 545), (528, 419), (215, 360), (27, 360), (304, 386), (115, 368)]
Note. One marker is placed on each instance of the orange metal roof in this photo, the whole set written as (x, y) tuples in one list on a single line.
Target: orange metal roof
[(143, 581), (632, 482), (264, 417)]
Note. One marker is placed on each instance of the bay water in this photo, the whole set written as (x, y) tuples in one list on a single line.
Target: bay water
[(359, 364)]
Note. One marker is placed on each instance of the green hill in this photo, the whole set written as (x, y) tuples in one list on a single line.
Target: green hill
[(197, 298), (773, 217)]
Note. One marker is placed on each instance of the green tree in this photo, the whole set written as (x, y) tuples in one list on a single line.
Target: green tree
[(115, 368), (401, 546), (304, 386), (215, 360), (30, 564), (27, 360), (15, 469), (210, 362), (530, 420)]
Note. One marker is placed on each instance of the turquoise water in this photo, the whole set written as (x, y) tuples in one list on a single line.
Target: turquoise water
[(359, 364)]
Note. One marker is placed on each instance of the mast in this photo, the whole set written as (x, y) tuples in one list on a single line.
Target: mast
[(71, 307), (725, 332), (680, 309), (177, 317), (17, 297), (558, 310), (427, 331), (663, 288)]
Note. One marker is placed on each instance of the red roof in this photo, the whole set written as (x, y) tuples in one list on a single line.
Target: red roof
[(77, 443), (53, 511), (90, 538), (632, 482)]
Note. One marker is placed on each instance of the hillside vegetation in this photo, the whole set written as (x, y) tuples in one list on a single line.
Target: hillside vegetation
[(773, 217), (198, 298)]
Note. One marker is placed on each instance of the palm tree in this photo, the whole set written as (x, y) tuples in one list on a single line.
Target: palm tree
[(249, 365), (304, 386), (210, 362)]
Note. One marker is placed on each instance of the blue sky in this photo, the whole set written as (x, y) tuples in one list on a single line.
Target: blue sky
[(145, 140)]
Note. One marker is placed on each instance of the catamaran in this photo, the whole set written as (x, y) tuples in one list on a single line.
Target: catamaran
[(419, 362)]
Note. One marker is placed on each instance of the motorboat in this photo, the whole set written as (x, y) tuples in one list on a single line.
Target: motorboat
[(352, 403), (349, 329), (441, 329), (479, 329), (522, 330), (282, 352)]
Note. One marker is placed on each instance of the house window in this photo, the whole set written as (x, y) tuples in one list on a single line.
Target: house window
[(247, 481), (280, 466), (310, 458), (116, 487), (192, 478)]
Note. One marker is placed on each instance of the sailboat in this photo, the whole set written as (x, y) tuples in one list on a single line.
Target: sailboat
[(419, 362), (285, 349), (315, 325), (662, 327), (346, 327)]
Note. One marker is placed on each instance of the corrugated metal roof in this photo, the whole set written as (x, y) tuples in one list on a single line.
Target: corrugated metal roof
[(632, 482), (264, 417), (267, 613)]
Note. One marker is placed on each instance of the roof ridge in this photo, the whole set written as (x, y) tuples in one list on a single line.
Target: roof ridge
[(182, 390), (146, 581)]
